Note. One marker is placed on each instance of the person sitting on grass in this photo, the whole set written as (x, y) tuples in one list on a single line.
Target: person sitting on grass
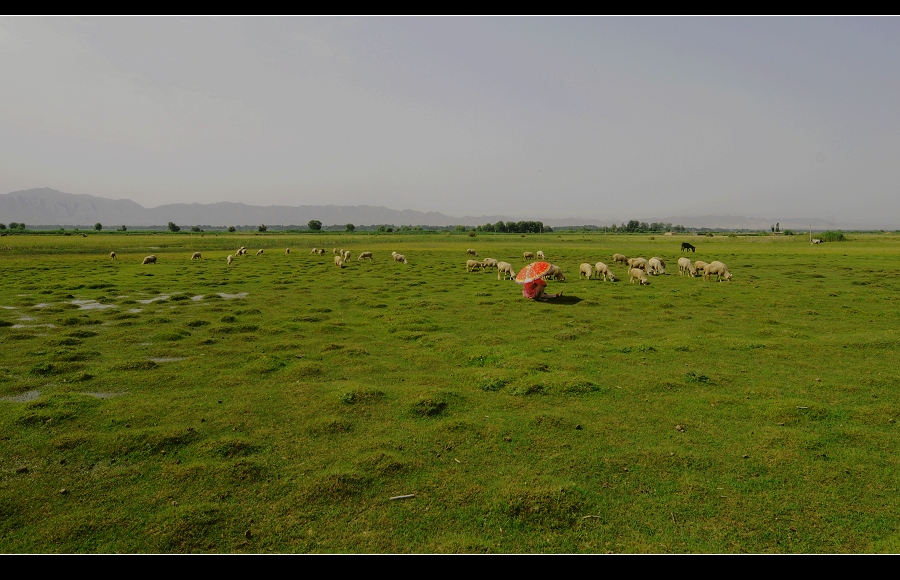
[(535, 290)]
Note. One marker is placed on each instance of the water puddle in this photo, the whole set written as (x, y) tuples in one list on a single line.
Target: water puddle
[(229, 296), (160, 297), (23, 398), (135, 310), (25, 318), (91, 305), (8, 307), (42, 305), (167, 359), (102, 395), (200, 297), (33, 326)]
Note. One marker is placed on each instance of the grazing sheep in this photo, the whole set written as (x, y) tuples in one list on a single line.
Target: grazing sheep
[(149, 260), (346, 255), (505, 268), (700, 266), (555, 273), (315, 251), (287, 250), (656, 266), (399, 257), (719, 269), (334, 251), (338, 262), (686, 247), (242, 251), (620, 258), (685, 265), (638, 263), (471, 252), (489, 263), (529, 255), (637, 273), (195, 256), (259, 253), (472, 265), (365, 255), (602, 269), (230, 259), (112, 256), (321, 251), (585, 270), (815, 241), (540, 255)]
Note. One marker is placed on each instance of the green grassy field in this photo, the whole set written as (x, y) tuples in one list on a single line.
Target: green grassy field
[(277, 405)]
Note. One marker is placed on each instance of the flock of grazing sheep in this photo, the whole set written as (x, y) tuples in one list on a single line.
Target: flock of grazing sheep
[(638, 268)]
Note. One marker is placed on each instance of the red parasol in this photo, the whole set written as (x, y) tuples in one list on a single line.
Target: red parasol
[(532, 272)]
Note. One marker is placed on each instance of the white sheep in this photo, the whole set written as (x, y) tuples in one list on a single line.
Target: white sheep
[(287, 250), (338, 262), (700, 266), (472, 265), (685, 265), (315, 251), (365, 255), (149, 260), (528, 255), (195, 256), (585, 270), (346, 255), (638, 263), (489, 263), (242, 251), (637, 273), (471, 252), (815, 241), (505, 268), (602, 269), (321, 251), (259, 253), (230, 259), (655, 266), (620, 258), (719, 269), (555, 273), (399, 257), (540, 255), (112, 256)]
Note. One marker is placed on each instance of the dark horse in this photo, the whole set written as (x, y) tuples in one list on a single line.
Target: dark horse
[(688, 247)]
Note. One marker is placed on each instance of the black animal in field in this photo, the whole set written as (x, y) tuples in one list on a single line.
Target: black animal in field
[(688, 247)]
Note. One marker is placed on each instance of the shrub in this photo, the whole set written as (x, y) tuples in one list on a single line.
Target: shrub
[(232, 229), (314, 225), (173, 227), (98, 226), (837, 236), (262, 228)]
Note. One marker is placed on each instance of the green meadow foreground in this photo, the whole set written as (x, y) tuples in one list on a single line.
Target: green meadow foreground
[(278, 404)]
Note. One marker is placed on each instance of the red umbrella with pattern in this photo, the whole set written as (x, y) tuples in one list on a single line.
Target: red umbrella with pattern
[(532, 272)]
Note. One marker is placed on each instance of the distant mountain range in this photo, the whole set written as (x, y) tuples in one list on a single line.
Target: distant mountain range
[(49, 207)]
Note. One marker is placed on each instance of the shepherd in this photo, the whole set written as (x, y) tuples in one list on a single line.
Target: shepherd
[(534, 286)]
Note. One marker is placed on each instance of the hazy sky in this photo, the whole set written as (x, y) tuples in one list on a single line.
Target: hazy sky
[(601, 117)]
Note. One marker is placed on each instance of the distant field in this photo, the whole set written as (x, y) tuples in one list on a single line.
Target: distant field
[(277, 405)]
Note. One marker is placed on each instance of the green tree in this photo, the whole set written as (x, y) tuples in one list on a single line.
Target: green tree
[(232, 229), (196, 229), (173, 227), (124, 229), (98, 226), (315, 225), (350, 227), (2, 227), (262, 228)]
